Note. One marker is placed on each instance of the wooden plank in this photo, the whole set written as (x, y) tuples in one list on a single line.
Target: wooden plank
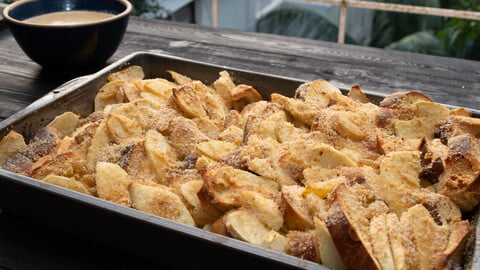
[(446, 80), (342, 21), (443, 12), (215, 13)]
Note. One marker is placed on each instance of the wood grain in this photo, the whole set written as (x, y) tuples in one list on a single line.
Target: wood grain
[(445, 80)]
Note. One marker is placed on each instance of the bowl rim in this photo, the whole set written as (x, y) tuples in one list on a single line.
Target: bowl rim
[(7, 17)]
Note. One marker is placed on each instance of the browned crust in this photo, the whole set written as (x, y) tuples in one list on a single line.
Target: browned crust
[(395, 99), (19, 164), (457, 125), (93, 117), (352, 251), (219, 226), (302, 91), (398, 106), (303, 245), (383, 116), (295, 211), (431, 169), (456, 243), (43, 144), (357, 94)]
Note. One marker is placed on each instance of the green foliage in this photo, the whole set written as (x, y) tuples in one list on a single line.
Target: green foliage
[(148, 9), (389, 27), (416, 33), (420, 42), (461, 38), (448, 3), (299, 22)]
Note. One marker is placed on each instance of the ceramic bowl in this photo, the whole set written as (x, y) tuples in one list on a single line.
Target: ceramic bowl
[(68, 46)]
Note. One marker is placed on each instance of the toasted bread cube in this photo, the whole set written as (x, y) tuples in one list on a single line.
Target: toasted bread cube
[(130, 73), (397, 236), (215, 149), (322, 189), (302, 112), (112, 183), (428, 237), (219, 226), (161, 155), (243, 225), (328, 252), (224, 86), (65, 123), (189, 102), (275, 241), (67, 182), (297, 216), (319, 93), (303, 245), (347, 221), (202, 213), (100, 147), (381, 242), (243, 95), (399, 180), (123, 130), (160, 201), (43, 144), (184, 135), (457, 240), (10, 145), (357, 94), (180, 79), (265, 209), (110, 93), (307, 154)]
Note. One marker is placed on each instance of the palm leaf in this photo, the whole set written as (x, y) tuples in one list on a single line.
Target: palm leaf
[(420, 42), (299, 22), (389, 27)]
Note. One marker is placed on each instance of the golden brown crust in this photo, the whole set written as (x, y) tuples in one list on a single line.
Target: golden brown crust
[(303, 245), (371, 180), (219, 226), (352, 251), (400, 99), (43, 144), (296, 212), (452, 254), (357, 94)]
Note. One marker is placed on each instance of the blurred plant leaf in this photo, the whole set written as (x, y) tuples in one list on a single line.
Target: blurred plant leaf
[(420, 42), (299, 22), (148, 9), (389, 27), (461, 37), (448, 3)]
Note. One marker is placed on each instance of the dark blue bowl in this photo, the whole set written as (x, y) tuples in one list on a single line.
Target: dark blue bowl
[(68, 46)]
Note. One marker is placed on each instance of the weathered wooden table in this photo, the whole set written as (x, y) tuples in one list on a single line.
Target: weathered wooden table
[(24, 245)]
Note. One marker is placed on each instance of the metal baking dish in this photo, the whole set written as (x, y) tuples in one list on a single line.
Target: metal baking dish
[(160, 240)]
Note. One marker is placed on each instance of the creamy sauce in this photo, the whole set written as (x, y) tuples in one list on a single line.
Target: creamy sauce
[(69, 17)]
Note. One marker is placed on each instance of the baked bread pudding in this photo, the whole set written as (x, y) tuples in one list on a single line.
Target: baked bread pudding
[(322, 176)]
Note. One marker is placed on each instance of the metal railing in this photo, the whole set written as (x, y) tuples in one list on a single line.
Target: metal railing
[(344, 4)]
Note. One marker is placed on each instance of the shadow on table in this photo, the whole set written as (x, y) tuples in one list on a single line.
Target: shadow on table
[(26, 245)]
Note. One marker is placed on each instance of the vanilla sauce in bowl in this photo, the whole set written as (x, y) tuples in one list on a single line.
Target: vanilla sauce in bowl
[(69, 17)]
